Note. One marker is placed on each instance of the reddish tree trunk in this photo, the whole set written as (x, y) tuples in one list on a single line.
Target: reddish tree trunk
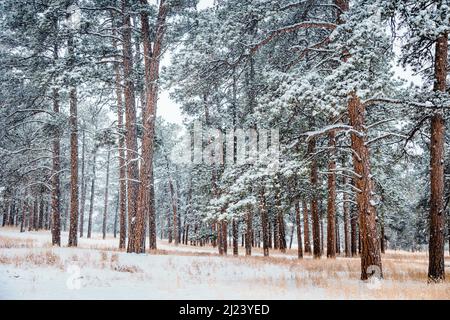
[(306, 227), (56, 191), (249, 232), (91, 204), (331, 205), (131, 131), (436, 271), (345, 209), (264, 222), (317, 252), (73, 229), (299, 230), (152, 58), (370, 246), (105, 208)]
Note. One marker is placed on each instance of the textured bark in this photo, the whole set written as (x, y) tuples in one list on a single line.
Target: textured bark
[(91, 204), (264, 222), (436, 271), (382, 238), (41, 211), (174, 201), (275, 228), (73, 229), (306, 227), (83, 182), (235, 237), (331, 204), (354, 235), (370, 246), (249, 232), (131, 131), (152, 58), (56, 168), (345, 209), (280, 222), (299, 230), (322, 242), (116, 217), (317, 252), (224, 228), (22, 216), (338, 237), (121, 147), (105, 207)]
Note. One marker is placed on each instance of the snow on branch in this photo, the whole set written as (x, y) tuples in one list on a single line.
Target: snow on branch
[(302, 25), (373, 101), (334, 127)]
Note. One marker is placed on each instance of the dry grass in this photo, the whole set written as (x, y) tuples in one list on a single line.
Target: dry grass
[(9, 242), (405, 273), (42, 259)]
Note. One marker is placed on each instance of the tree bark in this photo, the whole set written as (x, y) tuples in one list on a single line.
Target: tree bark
[(345, 209), (249, 231), (436, 272), (235, 237), (131, 131), (317, 252), (264, 221), (91, 204), (331, 204), (73, 228), (370, 246), (299, 230), (306, 227), (83, 182), (121, 147), (105, 208), (152, 58)]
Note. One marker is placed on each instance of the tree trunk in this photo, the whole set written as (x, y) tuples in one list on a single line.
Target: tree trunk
[(121, 147), (152, 58), (280, 223), (73, 229), (306, 227), (275, 228), (173, 198), (264, 221), (224, 228), (370, 246), (22, 216), (249, 232), (331, 205), (116, 216), (338, 237), (345, 209), (299, 230), (83, 182), (105, 209), (91, 204), (41, 211), (317, 252), (436, 272), (235, 237), (131, 131), (56, 165)]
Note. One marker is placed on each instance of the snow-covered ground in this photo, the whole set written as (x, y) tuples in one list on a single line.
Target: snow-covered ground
[(30, 268)]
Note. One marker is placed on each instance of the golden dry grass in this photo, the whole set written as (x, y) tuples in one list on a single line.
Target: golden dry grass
[(404, 273)]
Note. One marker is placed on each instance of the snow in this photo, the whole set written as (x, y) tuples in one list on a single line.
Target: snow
[(97, 270)]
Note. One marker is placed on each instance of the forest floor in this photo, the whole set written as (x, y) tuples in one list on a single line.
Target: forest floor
[(30, 268)]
